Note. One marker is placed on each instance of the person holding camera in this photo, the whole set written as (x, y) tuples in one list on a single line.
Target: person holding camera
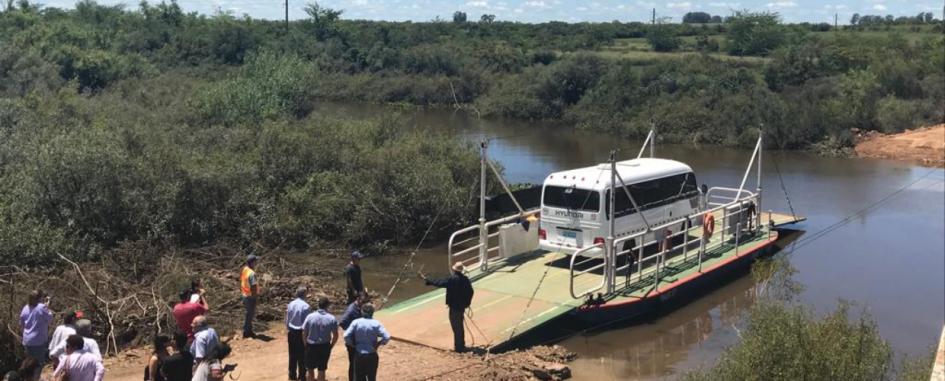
[(35, 319)]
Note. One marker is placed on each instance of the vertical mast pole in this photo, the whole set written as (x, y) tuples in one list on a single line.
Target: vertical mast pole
[(652, 139), (609, 253), (483, 234), (761, 148)]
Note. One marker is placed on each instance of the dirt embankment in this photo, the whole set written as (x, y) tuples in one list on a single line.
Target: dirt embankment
[(922, 145)]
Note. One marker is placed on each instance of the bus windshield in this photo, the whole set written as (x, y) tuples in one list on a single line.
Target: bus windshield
[(571, 198)]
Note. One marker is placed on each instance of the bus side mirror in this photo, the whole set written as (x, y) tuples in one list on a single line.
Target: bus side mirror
[(704, 189)]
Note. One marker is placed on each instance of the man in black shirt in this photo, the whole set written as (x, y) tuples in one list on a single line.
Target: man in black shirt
[(354, 285), (459, 294), (180, 365)]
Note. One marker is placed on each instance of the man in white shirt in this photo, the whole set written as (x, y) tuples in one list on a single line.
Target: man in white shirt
[(80, 365), (61, 333), (295, 315), (83, 329)]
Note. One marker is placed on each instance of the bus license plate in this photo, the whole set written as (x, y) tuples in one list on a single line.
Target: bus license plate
[(569, 237)]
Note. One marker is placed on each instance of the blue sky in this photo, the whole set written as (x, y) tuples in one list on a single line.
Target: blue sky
[(548, 10)]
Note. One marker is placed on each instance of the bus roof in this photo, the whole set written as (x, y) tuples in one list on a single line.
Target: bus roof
[(632, 171)]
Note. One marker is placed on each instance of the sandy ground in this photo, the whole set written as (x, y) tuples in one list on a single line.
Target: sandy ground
[(267, 360), (923, 145)]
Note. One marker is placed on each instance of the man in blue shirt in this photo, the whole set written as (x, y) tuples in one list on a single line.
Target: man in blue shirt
[(295, 315), (320, 331), (366, 335), (351, 313), (205, 338)]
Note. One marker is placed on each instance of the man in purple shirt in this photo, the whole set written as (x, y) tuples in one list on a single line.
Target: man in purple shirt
[(35, 319), (80, 365)]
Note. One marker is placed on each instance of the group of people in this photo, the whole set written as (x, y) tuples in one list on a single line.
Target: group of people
[(311, 334), (73, 353), (196, 353)]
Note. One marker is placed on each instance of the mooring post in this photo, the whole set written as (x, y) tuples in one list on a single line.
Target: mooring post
[(483, 234)]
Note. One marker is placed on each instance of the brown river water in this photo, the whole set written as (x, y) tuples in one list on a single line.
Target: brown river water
[(888, 256)]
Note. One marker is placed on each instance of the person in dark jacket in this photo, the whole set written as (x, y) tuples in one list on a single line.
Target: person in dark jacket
[(459, 294)]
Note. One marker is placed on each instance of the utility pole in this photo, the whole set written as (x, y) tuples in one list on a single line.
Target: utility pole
[(654, 17), (286, 16), (835, 16)]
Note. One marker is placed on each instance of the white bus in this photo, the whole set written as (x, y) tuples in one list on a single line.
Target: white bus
[(575, 203)]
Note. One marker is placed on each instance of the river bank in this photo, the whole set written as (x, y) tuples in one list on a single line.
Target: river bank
[(925, 145)]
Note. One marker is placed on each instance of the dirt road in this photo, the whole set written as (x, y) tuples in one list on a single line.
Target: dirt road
[(267, 360), (923, 145)]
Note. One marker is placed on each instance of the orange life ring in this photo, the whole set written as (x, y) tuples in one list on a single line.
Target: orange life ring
[(708, 225)]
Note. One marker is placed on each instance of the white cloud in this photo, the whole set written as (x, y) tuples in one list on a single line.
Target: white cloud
[(682, 5), (879, 7), (581, 9), (478, 4), (837, 7), (724, 5), (536, 4), (782, 4), (359, 2)]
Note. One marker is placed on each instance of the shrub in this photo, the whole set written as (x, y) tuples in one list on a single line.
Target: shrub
[(663, 39), (268, 86), (754, 33), (896, 115), (790, 343)]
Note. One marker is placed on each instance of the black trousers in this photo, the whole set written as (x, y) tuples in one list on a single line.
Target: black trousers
[(366, 367), (352, 358), (459, 334), (296, 355)]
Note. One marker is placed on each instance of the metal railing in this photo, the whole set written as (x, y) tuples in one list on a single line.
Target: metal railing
[(476, 246), (649, 266)]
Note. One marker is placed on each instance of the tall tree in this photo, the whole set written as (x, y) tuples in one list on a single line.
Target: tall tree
[(459, 17), (696, 18)]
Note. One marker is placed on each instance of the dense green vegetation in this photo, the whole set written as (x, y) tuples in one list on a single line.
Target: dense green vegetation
[(790, 343), (783, 340), (155, 124)]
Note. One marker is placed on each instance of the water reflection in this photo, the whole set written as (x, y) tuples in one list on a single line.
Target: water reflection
[(656, 349)]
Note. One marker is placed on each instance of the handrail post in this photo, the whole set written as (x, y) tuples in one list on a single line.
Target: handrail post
[(702, 243), (640, 259), (738, 228), (656, 274), (483, 233), (758, 192), (724, 223), (685, 242)]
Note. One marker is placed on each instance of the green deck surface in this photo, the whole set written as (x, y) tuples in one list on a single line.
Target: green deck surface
[(523, 292)]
